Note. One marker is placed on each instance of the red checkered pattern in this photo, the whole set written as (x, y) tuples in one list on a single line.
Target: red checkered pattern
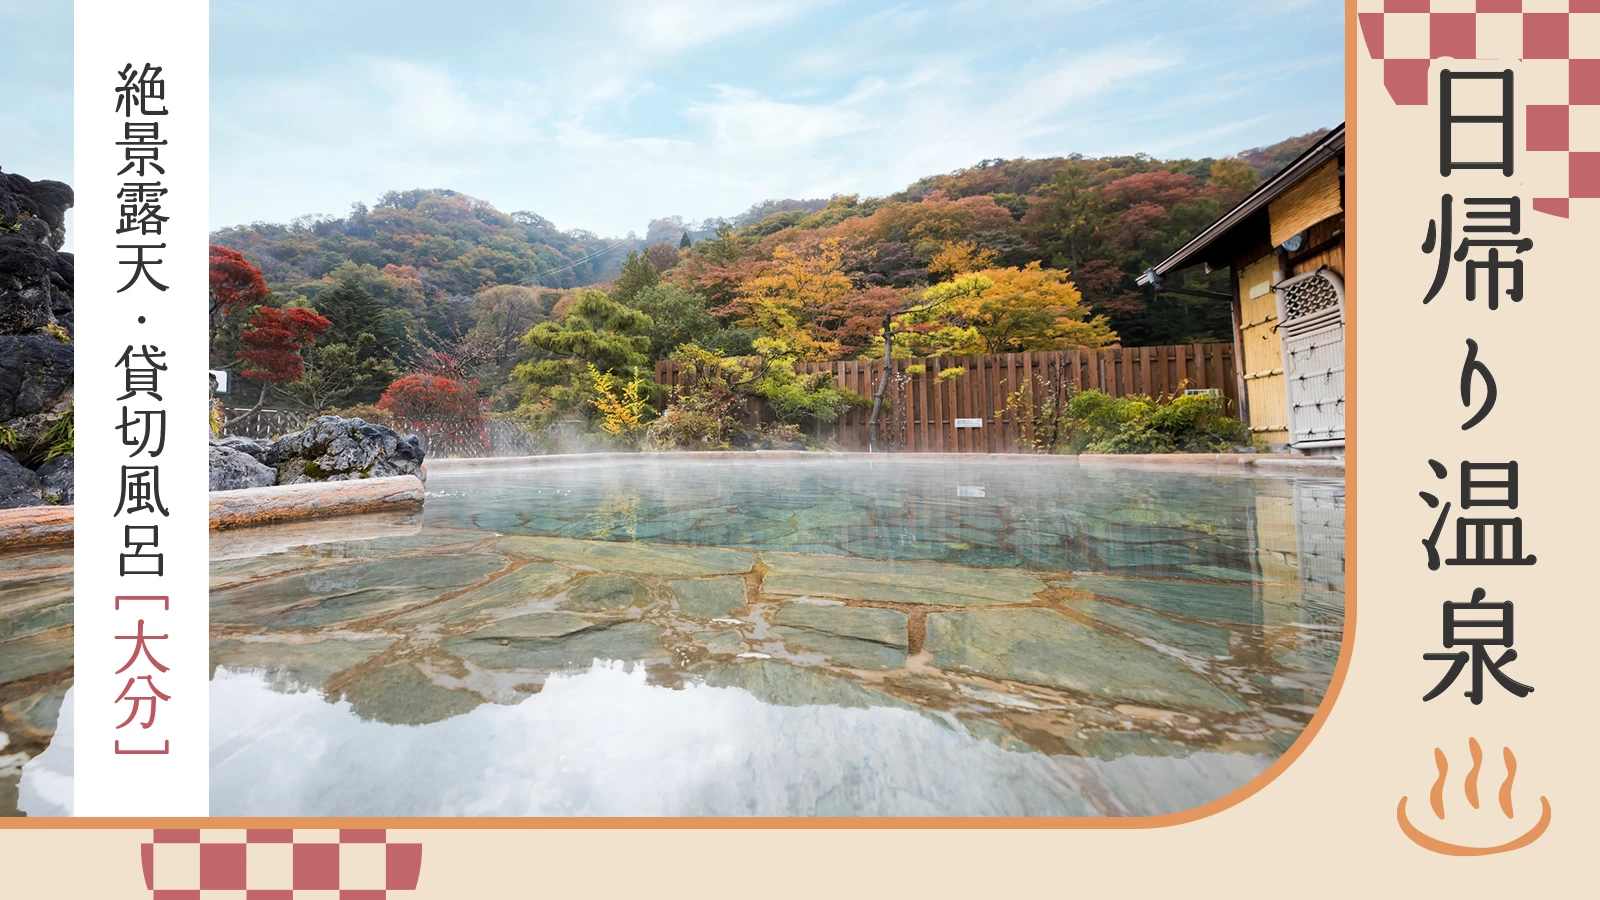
[(1560, 36), (278, 864)]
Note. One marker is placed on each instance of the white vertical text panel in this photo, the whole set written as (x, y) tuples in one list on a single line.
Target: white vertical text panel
[(140, 708)]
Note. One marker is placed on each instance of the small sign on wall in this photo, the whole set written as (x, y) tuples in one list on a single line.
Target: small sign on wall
[(969, 423)]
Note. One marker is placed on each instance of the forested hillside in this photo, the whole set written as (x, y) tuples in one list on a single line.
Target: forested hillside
[(1006, 255), (424, 254)]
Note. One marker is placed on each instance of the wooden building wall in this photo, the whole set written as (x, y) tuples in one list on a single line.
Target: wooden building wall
[(1261, 352), (1314, 206)]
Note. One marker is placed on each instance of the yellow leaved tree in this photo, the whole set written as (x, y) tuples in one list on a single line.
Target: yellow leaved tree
[(960, 257), (796, 294), (1006, 310), (624, 405)]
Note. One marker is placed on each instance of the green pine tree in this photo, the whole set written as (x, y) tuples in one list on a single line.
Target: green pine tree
[(684, 243), (355, 358), (354, 312), (637, 274)]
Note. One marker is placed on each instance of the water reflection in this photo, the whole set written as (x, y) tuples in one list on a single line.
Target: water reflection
[(45, 786), (607, 742)]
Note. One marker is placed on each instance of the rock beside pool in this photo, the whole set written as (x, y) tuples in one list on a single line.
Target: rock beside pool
[(35, 210), (232, 470), (35, 281), (19, 485), (254, 448), (35, 386), (36, 352), (332, 448), (56, 480)]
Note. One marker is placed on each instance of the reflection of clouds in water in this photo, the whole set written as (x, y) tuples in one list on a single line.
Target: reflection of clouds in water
[(46, 787), (605, 742)]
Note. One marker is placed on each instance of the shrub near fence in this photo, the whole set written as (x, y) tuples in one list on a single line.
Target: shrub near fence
[(922, 409)]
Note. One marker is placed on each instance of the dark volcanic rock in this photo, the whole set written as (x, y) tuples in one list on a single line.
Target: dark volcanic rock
[(29, 285), (37, 209), (19, 486), (36, 317), (232, 470), (56, 479), (35, 280), (251, 447), (35, 374), (336, 449), (62, 279)]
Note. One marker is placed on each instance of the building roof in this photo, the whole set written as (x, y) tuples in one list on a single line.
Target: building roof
[(1304, 164)]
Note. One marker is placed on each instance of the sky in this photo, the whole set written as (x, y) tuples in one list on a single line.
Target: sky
[(605, 114), (36, 91)]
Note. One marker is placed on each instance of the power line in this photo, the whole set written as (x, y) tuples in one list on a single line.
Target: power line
[(575, 264)]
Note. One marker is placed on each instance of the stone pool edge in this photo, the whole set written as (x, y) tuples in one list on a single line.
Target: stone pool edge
[(42, 526), (1263, 461)]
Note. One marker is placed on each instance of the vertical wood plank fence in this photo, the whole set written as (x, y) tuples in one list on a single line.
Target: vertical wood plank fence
[(921, 408)]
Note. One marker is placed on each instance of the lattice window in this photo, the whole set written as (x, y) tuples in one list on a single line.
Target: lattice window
[(1305, 296)]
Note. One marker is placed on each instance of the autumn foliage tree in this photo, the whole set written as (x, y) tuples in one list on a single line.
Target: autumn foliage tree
[(235, 286), (274, 340), (1019, 310), (795, 300), (437, 406)]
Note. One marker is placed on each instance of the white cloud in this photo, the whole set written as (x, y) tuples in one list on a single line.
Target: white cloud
[(1187, 140), (673, 26), (647, 108), (741, 124), (425, 103)]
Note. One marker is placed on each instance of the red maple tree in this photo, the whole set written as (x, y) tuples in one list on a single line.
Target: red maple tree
[(235, 284), (275, 338), (437, 408)]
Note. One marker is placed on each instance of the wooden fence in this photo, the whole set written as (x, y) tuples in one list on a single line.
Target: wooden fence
[(921, 408), (265, 423)]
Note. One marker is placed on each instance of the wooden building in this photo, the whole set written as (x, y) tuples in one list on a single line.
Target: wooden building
[(1284, 247)]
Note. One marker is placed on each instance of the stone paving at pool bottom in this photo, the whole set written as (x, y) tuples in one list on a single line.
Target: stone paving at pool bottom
[(35, 657), (1033, 661), (431, 623)]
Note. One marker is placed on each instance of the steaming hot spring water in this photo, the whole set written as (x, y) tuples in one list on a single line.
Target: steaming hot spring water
[(827, 636)]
